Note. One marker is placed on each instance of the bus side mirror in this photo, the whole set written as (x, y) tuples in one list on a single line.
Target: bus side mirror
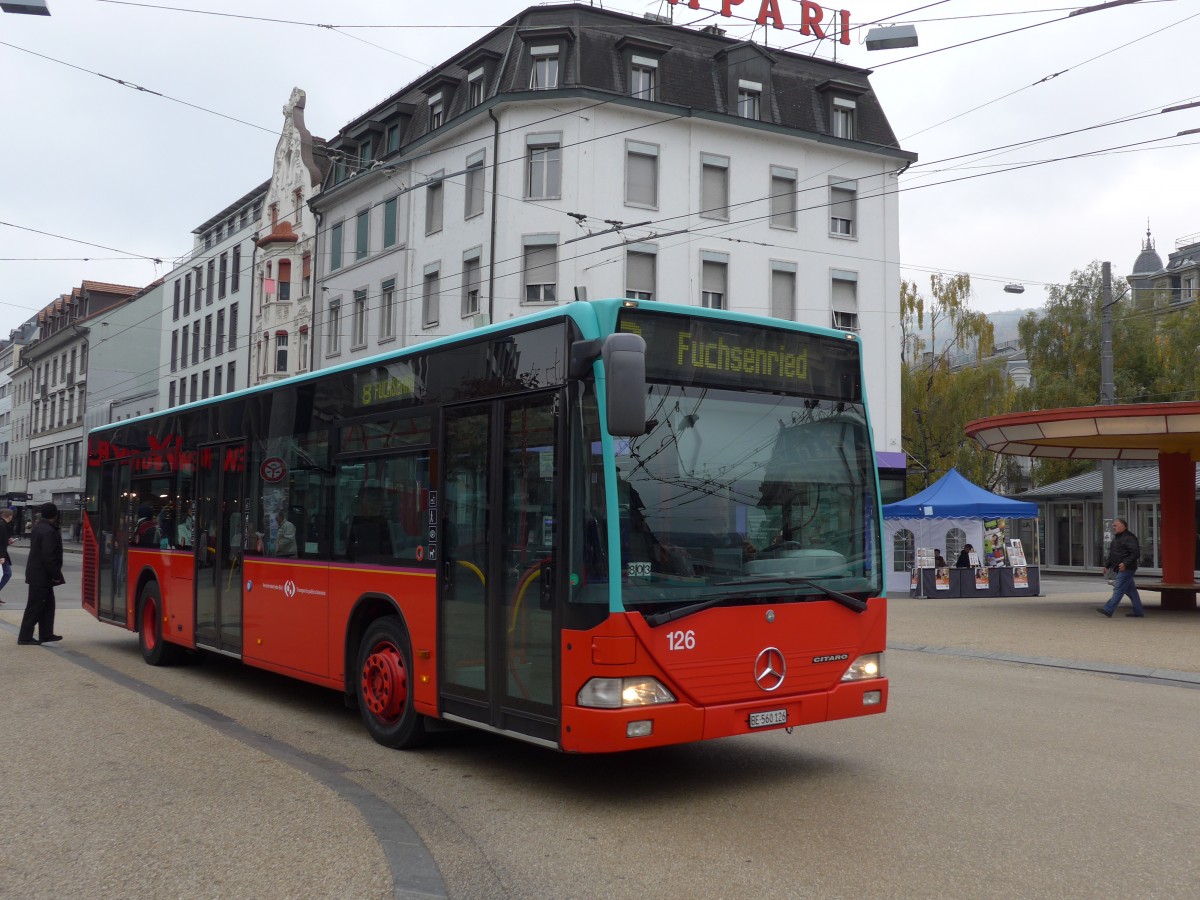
[(625, 375)]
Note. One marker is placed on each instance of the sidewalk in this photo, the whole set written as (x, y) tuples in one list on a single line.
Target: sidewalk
[(1059, 626)]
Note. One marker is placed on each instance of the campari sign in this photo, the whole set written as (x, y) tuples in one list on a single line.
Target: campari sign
[(814, 19)]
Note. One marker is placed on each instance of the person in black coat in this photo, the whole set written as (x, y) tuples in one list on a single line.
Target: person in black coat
[(964, 558), (43, 572), (1123, 555), (6, 538)]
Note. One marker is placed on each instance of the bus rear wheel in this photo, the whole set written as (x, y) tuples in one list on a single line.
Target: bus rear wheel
[(155, 650), (384, 686)]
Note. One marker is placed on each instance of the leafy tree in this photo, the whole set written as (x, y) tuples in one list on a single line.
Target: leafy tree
[(939, 398), (1063, 340)]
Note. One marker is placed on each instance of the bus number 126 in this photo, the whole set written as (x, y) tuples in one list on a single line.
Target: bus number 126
[(681, 640)]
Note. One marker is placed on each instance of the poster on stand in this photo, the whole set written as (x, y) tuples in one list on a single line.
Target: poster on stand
[(973, 559), (982, 581), (942, 579), (924, 557), (912, 581), (1020, 577), (1016, 553)]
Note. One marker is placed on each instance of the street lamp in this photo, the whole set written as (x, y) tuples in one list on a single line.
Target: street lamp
[(892, 37), (26, 7)]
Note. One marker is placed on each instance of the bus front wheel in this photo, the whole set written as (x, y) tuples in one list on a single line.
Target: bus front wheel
[(155, 650), (384, 685)]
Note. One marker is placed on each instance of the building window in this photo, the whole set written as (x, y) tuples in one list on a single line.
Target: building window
[(543, 167), (195, 344), (470, 283), (358, 321), (175, 350), (845, 300), (783, 197), (204, 387), (208, 321), (541, 268), (233, 311), (544, 76), (281, 350), (437, 112), (171, 394), (390, 221), (302, 362), (393, 138), (195, 387), (640, 272), (187, 294), (333, 338), (748, 99), (335, 247), (430, 295), (183, 350), (433, 205), (199, 272), (843, 118), (641, 174), (643, 78), (231, 377), (474, 195), (217, 373), (387, 309), (210, 289), (362, 234), (175, 316), (235, 270), (842, 196), (783, 290), (224, 272), (714, 271), (364, 155), (714, 186), (474, 88)]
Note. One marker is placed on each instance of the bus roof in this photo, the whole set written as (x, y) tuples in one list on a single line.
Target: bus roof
[(594, 318)]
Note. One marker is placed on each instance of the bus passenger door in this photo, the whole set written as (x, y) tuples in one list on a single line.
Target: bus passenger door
[(219, 539), (112, 537), (498, 625)]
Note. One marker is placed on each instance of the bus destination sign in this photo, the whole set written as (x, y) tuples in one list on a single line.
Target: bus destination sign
[(689, 350), (387, 385)]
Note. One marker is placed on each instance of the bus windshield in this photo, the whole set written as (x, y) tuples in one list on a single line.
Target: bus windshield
[(736, 492)]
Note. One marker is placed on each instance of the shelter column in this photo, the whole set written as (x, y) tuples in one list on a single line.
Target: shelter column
[(1177, 491)]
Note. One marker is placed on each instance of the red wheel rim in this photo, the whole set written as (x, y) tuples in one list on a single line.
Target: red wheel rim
[(149, 623), (385, 682)]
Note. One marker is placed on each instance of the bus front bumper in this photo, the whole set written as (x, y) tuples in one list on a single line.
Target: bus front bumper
[(587, 730)]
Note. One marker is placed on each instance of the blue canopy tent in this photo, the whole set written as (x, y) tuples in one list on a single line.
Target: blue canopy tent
[(950, 503)]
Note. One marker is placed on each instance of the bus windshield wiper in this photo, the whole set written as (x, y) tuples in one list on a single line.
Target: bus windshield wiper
[(784, 582)]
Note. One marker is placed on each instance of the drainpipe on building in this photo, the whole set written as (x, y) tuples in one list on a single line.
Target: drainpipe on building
[(316, 295)]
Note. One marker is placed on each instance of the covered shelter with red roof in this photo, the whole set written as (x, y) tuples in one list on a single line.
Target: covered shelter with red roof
[(1166, 432)]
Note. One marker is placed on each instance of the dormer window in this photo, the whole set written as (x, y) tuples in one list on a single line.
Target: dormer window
[(475, 88), (437, 112), (364, 155), (749, 99), (544, 75), (842, 118), (643, 78), (393, 138)]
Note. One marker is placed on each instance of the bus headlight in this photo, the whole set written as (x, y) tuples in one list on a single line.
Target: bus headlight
[(614, 693), (869, 665)]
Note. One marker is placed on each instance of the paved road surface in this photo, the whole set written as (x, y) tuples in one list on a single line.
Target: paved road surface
[(1045, 777)]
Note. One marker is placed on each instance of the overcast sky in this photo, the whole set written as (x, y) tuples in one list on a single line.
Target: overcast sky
[(84, 157)]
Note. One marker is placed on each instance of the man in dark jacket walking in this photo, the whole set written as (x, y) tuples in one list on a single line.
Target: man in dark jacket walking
[(43, 572), (1122, 560)]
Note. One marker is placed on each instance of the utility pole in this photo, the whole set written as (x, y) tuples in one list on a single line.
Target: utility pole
[(1108, 476)]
